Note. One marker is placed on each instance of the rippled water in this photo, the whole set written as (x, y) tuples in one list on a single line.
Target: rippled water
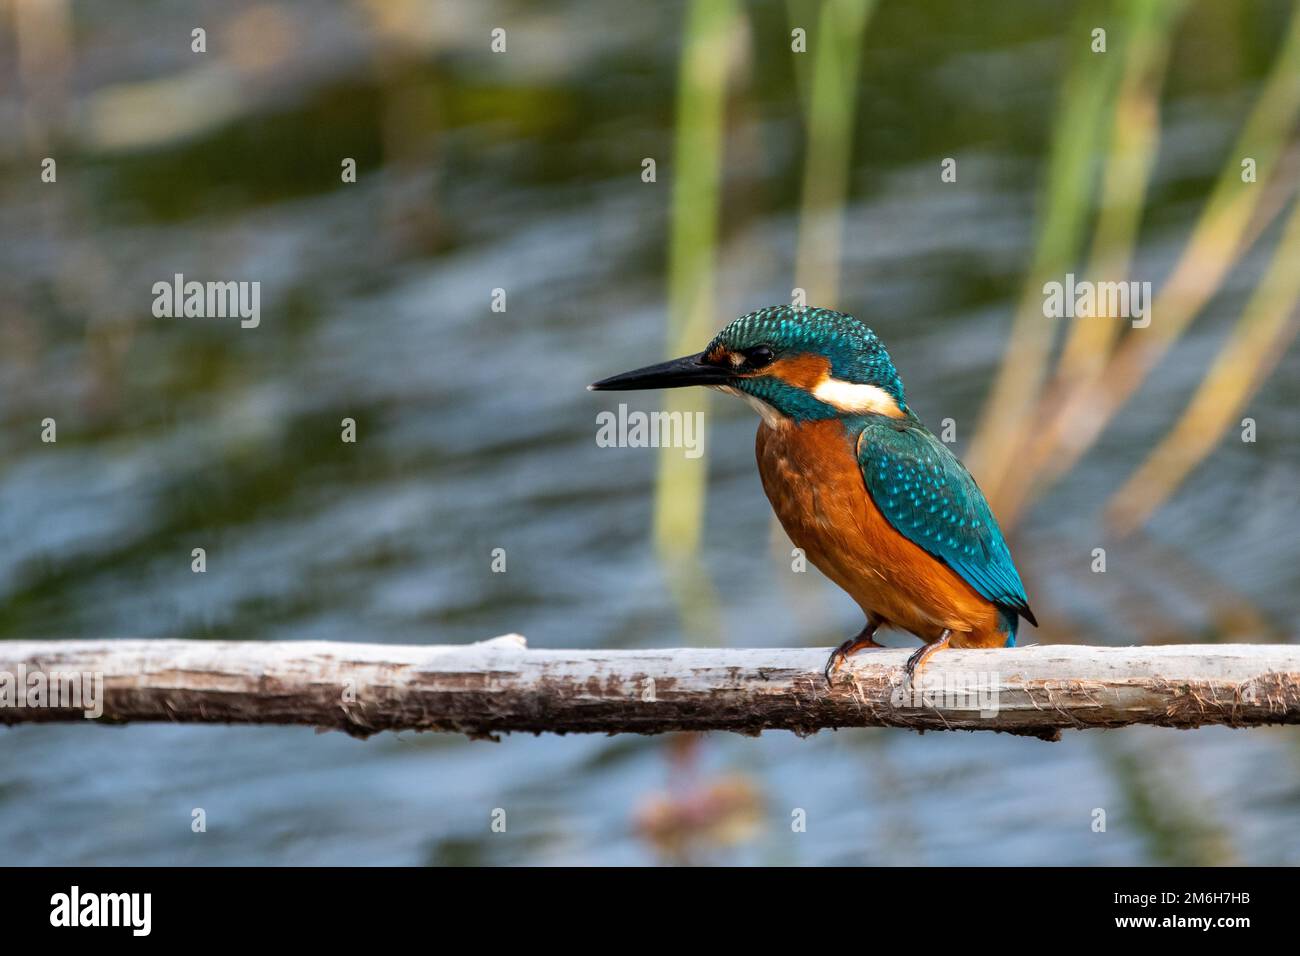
[(522, 172)]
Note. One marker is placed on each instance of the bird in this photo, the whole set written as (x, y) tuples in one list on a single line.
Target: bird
[(875, 501)]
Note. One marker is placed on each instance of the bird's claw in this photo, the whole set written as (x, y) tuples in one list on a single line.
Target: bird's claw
[(916, 663), (835, 662), (913, 663)]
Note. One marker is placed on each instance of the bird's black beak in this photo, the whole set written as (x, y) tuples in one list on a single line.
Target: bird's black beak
[(675, 373)]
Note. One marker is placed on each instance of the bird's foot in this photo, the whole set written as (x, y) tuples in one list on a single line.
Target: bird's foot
[(841, 653), (923, 653)]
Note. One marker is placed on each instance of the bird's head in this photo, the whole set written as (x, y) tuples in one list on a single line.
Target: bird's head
[(800, 364)]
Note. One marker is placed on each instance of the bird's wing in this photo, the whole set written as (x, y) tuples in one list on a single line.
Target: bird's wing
[(930, 498)]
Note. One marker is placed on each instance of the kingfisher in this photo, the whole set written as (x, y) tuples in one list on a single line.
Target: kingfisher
[(875, 501)]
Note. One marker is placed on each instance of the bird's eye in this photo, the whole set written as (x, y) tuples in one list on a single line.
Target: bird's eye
[(759, 356)]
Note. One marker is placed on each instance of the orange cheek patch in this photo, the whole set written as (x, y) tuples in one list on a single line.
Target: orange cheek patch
[(802, 371)]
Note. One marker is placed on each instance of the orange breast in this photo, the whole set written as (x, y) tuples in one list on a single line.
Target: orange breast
[(811, 476)]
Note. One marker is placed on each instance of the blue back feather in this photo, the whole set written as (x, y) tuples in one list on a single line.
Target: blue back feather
[(930, 498)]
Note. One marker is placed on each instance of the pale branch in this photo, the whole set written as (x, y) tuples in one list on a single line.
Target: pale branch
[(499, 686)]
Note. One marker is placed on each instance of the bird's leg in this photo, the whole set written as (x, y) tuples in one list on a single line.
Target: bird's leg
[(841, 653), (918, 659)]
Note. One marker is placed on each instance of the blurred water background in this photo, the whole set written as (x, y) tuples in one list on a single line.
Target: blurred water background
[(522, 171)]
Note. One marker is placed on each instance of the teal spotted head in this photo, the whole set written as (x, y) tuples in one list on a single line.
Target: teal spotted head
[(800, 364)]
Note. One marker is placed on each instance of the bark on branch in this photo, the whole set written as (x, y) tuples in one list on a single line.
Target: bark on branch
[(500, 686)]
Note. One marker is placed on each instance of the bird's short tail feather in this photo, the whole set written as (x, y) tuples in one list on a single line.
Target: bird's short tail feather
[(1010, 623)]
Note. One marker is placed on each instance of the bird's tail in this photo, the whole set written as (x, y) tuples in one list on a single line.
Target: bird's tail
[(1010, 621)]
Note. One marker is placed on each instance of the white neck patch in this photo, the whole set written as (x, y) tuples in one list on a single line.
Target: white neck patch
[(856, 397), (771, 417)]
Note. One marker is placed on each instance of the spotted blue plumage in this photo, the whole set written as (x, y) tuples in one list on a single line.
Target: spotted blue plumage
[(930, 498)]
